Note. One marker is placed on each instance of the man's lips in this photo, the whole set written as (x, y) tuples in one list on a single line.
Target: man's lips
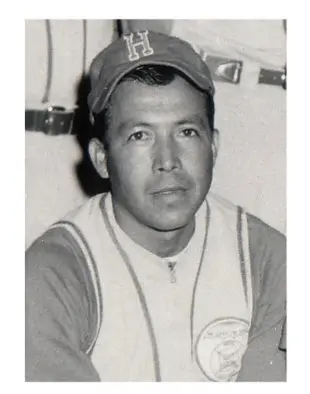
[(169, 190)]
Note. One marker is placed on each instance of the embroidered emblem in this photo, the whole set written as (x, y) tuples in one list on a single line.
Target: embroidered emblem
[(142, 44), (220, 347)]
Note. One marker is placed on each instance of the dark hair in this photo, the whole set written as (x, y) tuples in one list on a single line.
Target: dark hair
[(153, 75)]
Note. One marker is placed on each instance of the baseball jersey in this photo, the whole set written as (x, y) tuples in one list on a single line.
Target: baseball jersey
[(101, 308)]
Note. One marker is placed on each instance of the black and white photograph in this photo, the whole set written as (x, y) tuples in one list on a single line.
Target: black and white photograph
[(155, 200)]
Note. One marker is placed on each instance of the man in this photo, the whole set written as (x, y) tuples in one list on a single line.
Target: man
[(157, 280)]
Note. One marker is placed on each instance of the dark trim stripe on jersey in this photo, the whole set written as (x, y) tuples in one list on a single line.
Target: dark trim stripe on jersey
[(241, 253), (197, 278), (141, 296)]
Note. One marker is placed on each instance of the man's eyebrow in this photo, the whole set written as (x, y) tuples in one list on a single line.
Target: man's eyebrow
[(193, 119), (123, 125)]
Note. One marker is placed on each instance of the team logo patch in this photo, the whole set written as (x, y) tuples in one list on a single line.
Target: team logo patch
[(220, 347)]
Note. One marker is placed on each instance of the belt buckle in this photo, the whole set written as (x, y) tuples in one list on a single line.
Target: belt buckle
[(230, 71), (49, 126), (284, 78)]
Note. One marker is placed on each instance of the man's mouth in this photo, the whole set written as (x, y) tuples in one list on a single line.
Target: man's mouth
[(170, 190), (170, 194)]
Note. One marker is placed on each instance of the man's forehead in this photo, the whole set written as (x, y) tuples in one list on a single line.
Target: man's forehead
[(133, 91)]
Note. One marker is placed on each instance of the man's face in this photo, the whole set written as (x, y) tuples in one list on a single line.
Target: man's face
[(159, 155)]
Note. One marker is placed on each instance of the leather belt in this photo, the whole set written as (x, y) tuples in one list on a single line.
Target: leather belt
[(53, 120), (272, 77), (230, 70)]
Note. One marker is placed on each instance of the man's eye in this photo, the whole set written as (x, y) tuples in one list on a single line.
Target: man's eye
[(189, 133), (138, 136)]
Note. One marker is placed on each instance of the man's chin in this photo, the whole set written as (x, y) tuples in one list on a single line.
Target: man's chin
[(171, 218), (171, 225)]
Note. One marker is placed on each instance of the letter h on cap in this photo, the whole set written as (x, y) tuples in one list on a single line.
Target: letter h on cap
[(143, 44)]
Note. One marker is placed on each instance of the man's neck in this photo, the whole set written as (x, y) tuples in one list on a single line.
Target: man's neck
[(161, 243)]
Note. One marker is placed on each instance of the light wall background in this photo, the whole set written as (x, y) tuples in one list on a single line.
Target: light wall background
[(251, 166)]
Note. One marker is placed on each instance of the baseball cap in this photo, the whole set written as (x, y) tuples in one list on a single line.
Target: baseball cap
[(143, 48)]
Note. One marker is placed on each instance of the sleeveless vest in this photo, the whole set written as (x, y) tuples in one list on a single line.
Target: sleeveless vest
[(151, 331)]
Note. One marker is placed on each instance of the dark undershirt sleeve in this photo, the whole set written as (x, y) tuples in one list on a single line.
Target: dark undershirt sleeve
[(57, 315), (265, 359)]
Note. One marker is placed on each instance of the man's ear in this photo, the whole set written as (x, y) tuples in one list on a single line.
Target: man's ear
[(97, 155), (215, 144)]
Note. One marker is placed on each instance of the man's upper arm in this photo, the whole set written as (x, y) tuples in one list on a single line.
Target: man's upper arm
[(265, 358), (57, 315)]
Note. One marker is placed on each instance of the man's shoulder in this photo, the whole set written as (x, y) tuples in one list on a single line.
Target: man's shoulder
[(91, 205), (263, 235), (267, 245), (258, 229), (58, 250), (55, 235), (56, 255), (267, 248)]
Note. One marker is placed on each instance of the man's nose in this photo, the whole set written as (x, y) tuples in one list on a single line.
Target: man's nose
[(166, 155)]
